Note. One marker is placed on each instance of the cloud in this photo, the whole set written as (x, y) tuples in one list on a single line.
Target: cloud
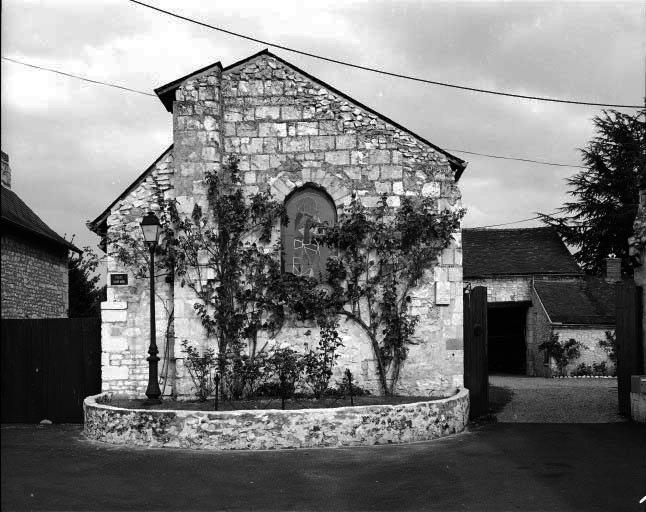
[(74, 146)]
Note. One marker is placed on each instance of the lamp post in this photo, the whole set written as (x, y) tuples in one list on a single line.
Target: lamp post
[(151, 229)]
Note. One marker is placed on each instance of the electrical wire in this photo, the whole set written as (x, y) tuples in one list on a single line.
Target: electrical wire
[(377, 70), (85, 79), (487, 155), (542, 162)]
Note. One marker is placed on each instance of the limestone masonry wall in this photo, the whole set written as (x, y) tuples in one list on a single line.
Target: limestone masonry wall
[(35, 280), (125, 317), (276, 429), (288, 131)]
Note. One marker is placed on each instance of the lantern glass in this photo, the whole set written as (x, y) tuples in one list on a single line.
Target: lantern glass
[(151, 228)]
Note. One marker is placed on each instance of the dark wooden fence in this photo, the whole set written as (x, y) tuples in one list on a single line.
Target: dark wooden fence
[(629, 340), (48, 367), (476, 374)]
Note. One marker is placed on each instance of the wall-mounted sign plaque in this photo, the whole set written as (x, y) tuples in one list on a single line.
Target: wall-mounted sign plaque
[(442, 293), (118, 279)]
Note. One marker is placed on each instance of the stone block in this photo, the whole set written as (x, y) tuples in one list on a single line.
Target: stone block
[(114, 305), (337, 157), (391, 172), (272, 129), (267, 112), (259, 162), (346, 141), (307, 128), (114, 344), (431, 189), (110, 372), (290, 112), (295, 144), (110, 315), (322, 143), (379, 156), (398, 188)]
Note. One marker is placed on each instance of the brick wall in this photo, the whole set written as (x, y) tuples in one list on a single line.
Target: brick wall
[(289, 131), (34, 278)]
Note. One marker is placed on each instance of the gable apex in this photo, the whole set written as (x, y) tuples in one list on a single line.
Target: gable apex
[(166, 94)]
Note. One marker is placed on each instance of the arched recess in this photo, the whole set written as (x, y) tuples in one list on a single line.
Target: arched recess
[(309, 208)]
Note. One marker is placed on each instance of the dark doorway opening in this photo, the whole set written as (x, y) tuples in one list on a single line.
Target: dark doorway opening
[(506, 344)]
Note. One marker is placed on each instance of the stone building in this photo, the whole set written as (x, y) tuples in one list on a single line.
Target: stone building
[(534, 289), (297, 137), (34, 260)]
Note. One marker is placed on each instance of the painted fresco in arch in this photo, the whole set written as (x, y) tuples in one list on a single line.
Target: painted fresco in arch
[(309, 211)]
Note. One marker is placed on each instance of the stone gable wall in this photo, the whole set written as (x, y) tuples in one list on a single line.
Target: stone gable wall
[(125, 325), (288, 131), (35, 281)]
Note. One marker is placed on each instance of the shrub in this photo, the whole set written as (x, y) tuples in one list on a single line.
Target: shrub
[(201, 368), (287, 366), (583, 370), (609, 344), (561, 352), (319, 363)]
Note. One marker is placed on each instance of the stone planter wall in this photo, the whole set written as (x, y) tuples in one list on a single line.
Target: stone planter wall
[(276, 429)]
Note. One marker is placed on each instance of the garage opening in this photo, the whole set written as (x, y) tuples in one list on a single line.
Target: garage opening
[(506, 345)]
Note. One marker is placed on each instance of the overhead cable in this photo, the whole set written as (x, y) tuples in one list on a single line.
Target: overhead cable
[(377, 70), (128, 89)]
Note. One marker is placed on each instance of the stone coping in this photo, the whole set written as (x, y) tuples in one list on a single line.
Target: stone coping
[(275, 428)]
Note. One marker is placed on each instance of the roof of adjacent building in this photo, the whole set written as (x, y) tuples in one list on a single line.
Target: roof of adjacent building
[(589, 301), (17, 214), (504, 252)]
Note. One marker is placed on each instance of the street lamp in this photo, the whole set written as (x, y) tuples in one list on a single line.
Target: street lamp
[(151, 229)]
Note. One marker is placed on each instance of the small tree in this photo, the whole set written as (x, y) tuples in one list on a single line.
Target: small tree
[(319, 363), (382, 255), (220, 254), (85, 296)]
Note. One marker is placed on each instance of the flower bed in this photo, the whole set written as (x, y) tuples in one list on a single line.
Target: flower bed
[(276, 429)]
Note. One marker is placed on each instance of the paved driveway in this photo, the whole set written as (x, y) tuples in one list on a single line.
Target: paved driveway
[(494, 467), (539, 400)]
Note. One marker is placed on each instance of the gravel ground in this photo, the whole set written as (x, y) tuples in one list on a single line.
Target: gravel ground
[(540, 400)]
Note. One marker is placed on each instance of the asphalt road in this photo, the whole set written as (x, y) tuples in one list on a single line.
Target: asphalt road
[(491, 467)]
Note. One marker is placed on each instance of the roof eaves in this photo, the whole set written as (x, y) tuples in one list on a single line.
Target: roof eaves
[(60, 241), (94, 225), (166, 93)]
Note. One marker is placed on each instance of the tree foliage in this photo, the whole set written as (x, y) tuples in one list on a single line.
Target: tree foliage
[(599, 220), (85, 296)]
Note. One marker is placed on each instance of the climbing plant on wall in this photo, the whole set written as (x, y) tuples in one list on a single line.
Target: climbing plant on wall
[(382, 254), (223, 252)]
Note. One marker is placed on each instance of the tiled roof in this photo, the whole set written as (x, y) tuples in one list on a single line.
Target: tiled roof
[(584, 301), (499, 252), (17, 214)]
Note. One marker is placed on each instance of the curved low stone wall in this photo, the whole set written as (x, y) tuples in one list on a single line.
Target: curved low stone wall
[(276, 429)]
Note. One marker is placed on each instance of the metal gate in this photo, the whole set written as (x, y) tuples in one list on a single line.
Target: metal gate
[(48, 367), (476, 375), (629, 340)]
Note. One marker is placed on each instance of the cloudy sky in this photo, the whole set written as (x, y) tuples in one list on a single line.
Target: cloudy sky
[(74, 146)]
